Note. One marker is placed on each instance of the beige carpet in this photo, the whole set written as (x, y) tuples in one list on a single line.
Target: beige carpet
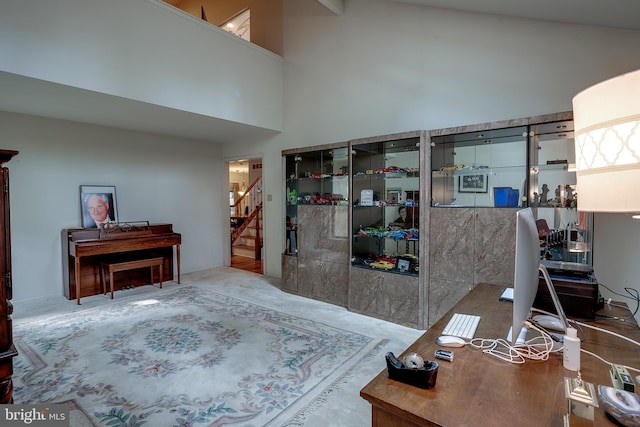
[(339, 404)]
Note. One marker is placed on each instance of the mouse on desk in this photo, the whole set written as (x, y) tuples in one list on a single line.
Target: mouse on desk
[(450, 341), (548, 322)]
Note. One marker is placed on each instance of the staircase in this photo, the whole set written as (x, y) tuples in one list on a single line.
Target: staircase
[(247, 239), (246, 226)]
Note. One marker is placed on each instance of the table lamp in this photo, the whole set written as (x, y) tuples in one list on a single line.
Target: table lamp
[(606, 120)]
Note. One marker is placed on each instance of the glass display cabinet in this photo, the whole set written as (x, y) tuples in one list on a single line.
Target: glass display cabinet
[(552, 191), (486, 168), (318, 177), (386, 194), (532, 164), (356, 234), (315, 261)]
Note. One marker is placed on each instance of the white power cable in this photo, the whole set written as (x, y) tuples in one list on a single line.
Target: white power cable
[(532, 349), (611, 333)]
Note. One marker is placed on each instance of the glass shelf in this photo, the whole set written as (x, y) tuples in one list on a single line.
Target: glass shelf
[(532, 165), (386, 193), (315, 177), (479, 169)]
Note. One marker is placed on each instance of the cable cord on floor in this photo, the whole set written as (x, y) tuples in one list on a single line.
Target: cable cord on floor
[(633, 295)]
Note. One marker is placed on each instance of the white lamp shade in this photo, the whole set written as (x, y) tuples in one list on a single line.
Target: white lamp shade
[(607, 132)]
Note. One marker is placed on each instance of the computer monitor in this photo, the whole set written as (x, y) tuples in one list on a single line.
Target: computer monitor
[(527, 274)]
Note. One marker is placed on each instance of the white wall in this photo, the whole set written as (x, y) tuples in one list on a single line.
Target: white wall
[(157, 178), (616, 257), (386, 67), (143, 50)]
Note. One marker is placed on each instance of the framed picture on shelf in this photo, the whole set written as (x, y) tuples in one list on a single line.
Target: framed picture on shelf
[(98, 205), (476, 183), (393, 195), (404, 265)]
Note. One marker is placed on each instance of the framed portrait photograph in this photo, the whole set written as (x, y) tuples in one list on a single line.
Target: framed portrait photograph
[(404, 264), (476, 183), (99, 206)]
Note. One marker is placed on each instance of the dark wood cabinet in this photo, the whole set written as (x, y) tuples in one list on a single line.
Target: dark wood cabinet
[(7, 349)]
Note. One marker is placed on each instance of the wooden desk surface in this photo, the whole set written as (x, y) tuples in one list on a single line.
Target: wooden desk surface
[(479, 389)]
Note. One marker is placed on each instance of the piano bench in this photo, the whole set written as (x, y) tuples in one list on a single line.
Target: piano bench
[(114, 267)]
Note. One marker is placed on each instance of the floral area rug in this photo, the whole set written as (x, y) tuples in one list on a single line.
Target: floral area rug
[(183, 357)]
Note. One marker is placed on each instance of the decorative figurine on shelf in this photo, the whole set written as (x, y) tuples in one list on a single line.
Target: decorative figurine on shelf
[(536, 199), (558, 193), (568, 196), (543, 196)]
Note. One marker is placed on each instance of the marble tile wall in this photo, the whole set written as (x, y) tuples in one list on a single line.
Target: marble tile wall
[(387, 296), (403, 299), (289, 273), (323, 233), (444, 294), (495, 244), (323, 280), (366, 292), (321, 269), (451, 243), (468, 246)]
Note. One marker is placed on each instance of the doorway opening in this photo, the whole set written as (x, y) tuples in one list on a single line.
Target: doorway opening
[(245, 204)]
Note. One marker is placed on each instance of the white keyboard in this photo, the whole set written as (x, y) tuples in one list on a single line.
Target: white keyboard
[(462, 325)]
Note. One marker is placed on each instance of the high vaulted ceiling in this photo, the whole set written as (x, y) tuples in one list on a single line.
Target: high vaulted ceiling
[(624, 14), (29, 96)]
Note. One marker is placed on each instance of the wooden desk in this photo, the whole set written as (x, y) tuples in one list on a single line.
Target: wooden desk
[(84, 250), (478, 389)]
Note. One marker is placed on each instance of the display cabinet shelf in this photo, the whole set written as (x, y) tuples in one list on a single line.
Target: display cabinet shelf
[(485, 167), (315, 261), (315, 176), (515, 164), (368, 229), (386, 189)]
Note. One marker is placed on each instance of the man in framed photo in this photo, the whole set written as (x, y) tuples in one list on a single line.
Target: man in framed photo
[(98, 208)]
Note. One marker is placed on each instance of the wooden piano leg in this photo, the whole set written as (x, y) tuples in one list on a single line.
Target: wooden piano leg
[(78, 280), (178, 260), (111, 281)]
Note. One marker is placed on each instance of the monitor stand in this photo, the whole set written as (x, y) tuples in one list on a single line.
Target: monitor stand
[(522, 336), (554, 297), (526, 334)]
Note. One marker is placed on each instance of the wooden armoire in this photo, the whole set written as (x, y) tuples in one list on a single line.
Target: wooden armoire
[(7, 349)]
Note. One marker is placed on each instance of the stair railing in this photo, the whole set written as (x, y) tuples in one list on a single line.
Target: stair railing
[(254, 216), (248, 201), (249, 206)]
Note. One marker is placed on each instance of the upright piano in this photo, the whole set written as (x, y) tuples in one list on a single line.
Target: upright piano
[(84, 249)]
